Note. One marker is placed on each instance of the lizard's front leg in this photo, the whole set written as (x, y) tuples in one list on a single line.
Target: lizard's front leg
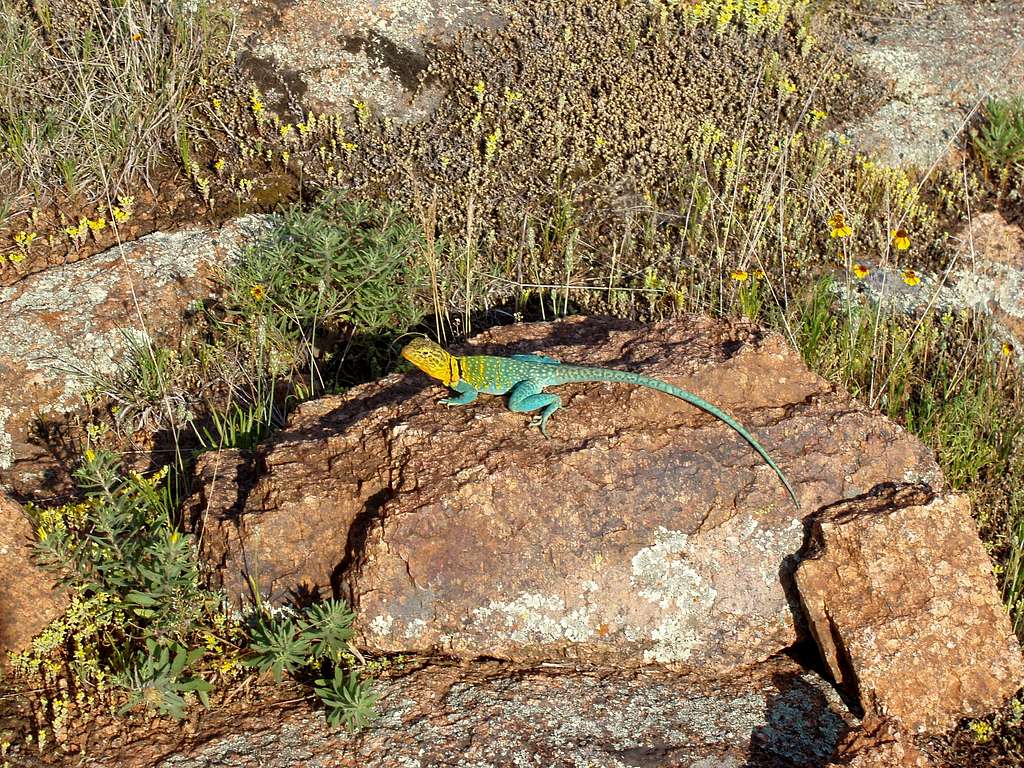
[(527, 396), (467, 394)]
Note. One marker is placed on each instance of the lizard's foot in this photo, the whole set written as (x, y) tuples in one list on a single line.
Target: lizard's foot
[(541, 421)]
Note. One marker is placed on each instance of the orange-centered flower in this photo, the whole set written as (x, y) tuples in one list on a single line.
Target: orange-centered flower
[(838, 226), (910, 277), (258, 292), (860, 271), (900, 239), (739, 275)]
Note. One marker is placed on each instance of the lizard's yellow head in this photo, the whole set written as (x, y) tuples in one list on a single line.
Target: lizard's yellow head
[(432, 359)]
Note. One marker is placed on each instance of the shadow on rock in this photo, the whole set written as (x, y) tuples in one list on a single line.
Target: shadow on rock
[(802, 727)]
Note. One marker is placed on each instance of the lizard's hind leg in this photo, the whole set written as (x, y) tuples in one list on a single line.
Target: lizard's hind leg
[(527, 396)]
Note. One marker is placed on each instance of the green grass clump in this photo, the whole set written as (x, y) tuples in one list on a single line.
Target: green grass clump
[(94, 94)]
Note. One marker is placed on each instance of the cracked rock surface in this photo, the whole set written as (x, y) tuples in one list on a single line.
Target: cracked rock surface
[(644, 531), (899, 593), (775, 715)]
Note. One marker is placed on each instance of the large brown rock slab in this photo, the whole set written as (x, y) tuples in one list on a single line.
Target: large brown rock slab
[(66, 325), (28, 599), (643, 531), (899, 594)]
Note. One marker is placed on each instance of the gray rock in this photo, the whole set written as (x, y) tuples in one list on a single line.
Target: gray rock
[(940, 64), (323, 54), (66, 325), (490, 717)]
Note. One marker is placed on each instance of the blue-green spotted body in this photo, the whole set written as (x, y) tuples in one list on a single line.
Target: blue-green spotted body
[(524, 377)]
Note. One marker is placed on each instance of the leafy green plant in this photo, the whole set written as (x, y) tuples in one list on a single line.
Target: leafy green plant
[(138, 616), (347, 699), (999, 139), (317, 640), (120, 542), (157, 679), (319, 277), (278, 646)]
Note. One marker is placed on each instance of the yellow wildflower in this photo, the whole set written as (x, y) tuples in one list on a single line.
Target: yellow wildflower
[(838, 226), (258, 292), (97, 224), (216, 104), (1007, 349), (218, 164), (900, 239), (24, 239), (17, 257), (479, 88), (910, 277), (739, 275), (256, 102), (759, 274), (861, 271)]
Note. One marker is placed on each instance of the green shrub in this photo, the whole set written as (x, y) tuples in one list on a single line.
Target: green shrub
[(137, 612), (120, 543), (999, 139), (316, 641), (325, 275), (140, 621)]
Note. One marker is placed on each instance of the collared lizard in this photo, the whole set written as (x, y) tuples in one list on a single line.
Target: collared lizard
[(524, 377)]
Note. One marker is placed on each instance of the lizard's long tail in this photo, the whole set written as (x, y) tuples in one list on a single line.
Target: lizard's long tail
[(578, 373)]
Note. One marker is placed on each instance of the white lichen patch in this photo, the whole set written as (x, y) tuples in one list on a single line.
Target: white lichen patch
[(381, 624), (535, 618), (664, 576), (999, 283), (6, 441), (414, 629)]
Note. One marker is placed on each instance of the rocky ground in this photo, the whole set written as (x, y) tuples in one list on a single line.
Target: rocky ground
[(637, 591)]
